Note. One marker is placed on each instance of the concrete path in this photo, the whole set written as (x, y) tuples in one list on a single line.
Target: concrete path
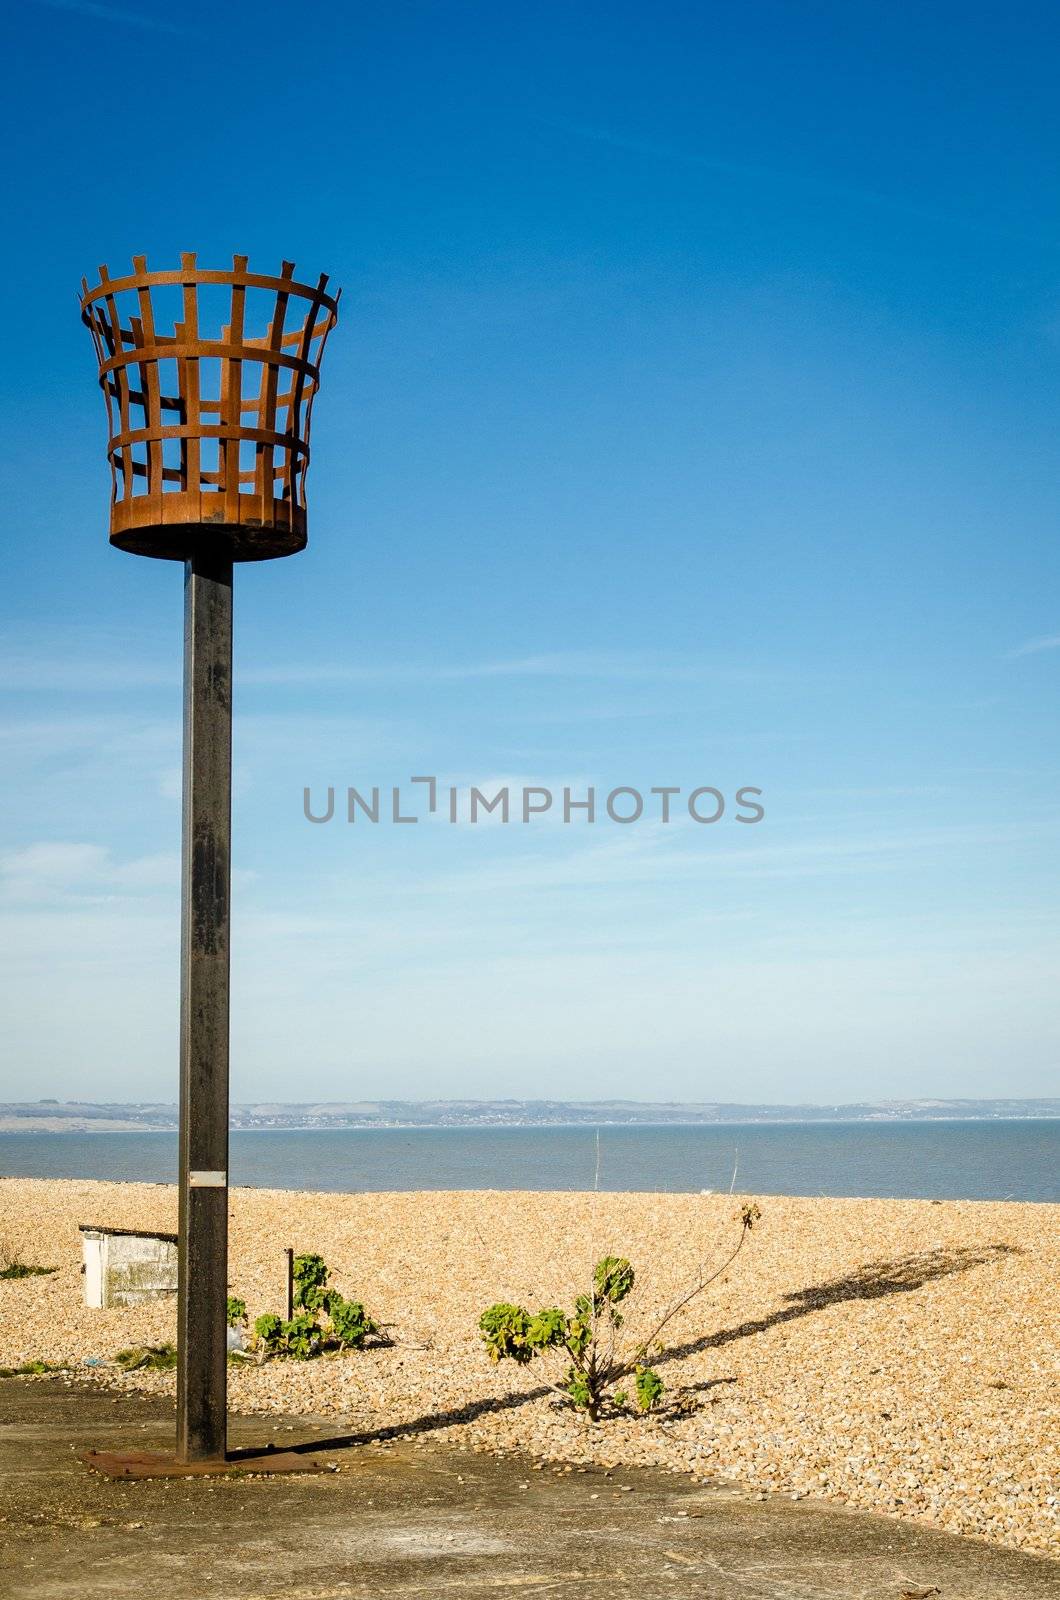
[(392, 1520)]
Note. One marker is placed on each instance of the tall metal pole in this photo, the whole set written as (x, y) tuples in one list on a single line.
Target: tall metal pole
[(204, 987), (209, 400)]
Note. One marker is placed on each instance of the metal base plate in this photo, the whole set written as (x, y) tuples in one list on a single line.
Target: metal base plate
[(161, 1464)]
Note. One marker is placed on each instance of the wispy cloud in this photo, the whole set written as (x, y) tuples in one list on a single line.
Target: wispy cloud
[(64, 872), (58, 669), (114, 14), (557, 664), (629, 666), (1034, 647)]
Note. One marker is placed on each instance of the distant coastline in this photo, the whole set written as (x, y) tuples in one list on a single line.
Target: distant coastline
[(53, 1116)]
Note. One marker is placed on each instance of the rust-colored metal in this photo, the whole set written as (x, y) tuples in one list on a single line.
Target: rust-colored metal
[(158, 1464), (209, 396)]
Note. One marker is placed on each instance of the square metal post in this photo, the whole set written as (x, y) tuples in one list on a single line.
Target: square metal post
[(204, 1008)]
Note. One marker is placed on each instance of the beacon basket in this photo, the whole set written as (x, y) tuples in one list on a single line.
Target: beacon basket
[(209, 379)]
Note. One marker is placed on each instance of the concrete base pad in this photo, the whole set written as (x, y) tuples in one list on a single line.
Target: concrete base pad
[(402, 1518)]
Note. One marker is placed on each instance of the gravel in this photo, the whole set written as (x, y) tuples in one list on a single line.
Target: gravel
[(896, 1355)]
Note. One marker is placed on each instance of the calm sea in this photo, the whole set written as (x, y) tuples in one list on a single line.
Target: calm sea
[(930, 1160)]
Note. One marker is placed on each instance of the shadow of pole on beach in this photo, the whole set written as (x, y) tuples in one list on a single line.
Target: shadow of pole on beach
[(870, 1282)]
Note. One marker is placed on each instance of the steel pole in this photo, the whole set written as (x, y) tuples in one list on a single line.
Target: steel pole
[(204, 985)]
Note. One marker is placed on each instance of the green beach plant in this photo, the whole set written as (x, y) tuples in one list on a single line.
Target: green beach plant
[(350, 1323), (311, 1275), (587, 1336), (302, 1336), (34, 1369), (268, 1331), (147, 1358), (323, 1320)]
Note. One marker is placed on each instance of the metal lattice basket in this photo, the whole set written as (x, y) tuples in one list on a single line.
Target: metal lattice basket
[(209, 395)]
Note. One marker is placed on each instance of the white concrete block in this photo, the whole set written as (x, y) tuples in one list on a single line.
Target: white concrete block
[(124, 1268)]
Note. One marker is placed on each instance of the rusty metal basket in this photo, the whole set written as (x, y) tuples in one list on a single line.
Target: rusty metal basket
[(208, 402)]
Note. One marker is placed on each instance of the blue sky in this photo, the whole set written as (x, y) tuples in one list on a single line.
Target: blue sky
[(692, 419)]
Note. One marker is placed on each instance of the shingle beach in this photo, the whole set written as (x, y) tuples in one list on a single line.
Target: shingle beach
[(902, 1356)]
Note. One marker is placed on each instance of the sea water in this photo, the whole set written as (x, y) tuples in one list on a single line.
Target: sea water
[(972, 1160)]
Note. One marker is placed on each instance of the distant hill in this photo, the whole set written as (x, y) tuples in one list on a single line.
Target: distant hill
[(86, 1116)]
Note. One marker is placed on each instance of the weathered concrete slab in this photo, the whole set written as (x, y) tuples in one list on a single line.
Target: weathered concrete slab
[(391, 1520)]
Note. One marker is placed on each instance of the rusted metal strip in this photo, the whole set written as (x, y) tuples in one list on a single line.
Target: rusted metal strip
[(224, 349), (206, 430), (250, 280), (149, 381)]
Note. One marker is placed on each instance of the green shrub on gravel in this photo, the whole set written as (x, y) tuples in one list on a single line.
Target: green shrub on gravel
[(587, 1336), (323, 1321)]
